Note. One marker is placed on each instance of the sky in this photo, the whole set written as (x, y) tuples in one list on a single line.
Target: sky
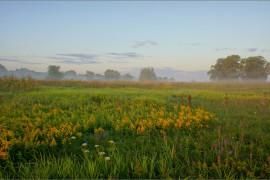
[(128, 35)]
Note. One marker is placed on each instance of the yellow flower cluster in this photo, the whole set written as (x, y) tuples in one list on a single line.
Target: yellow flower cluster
[(159, 119), (46, 125), (42, 129)]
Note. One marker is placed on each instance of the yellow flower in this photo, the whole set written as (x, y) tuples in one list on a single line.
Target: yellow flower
[(112, 142), (73, 137), (84, 144), (96, 146)]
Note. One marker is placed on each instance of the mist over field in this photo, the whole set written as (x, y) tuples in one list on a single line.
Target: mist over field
[(134, 90)]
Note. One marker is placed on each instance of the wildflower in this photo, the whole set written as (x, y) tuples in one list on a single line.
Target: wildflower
[(84, 144), (73, 137), (107, 158), (219, 161), (112, 142), (101, 153), (86, 151), (96, 146), (204, 165)]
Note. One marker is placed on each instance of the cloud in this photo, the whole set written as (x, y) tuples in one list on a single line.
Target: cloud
[(60, 58), (265, 50), (80, 56), (235, 49), (78, 62), (16, 60), (125, 55), (190, 44), (251, 49), (144, 43), (120, 62), (225, 49), (76, 58)]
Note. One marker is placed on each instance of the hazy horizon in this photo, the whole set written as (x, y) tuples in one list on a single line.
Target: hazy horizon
[(172, 37)]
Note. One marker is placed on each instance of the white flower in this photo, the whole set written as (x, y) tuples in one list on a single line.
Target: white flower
[(101, 153), (112, 142), (107, 158), (84, 144), (96, 146), (73, 137), (86, 151)]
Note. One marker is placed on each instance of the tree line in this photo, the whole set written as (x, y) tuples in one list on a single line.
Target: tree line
[(235, 68), (231, 68), (146, 74), (54, 72)]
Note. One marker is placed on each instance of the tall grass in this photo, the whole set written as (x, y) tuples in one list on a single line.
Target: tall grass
[(213, 86), (235, 147), (13, 84)]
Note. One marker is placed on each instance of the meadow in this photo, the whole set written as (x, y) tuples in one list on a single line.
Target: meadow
[(124, 130)]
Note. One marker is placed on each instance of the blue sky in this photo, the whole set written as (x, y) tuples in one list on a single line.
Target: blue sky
[(126, 36)]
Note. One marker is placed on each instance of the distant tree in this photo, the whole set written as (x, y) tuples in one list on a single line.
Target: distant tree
[(54, 72), (70, 75), (227, 69), (162, 79), (147, 74), (89, 75), (254, 68), (111, 75), (127, 77), (171, 79), (3, 70), (99, 77)]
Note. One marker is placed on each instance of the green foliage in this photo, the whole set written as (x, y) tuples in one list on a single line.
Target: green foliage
[(3, 70), (225, 69), (70, 75), (110, 74), (255, 68), (54, 72), (147, 74), (90, 75), (233, 68), (127, 77), (236, 148)]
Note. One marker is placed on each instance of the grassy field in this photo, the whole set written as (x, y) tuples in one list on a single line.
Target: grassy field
[(119, 130)]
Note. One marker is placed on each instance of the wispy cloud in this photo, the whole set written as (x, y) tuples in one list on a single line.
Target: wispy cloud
[(125, 55), (80, 56), (265, 50), (251, 49), (60, 58), (16, 60), (190, 44), (225, 49), (144, 43), (76, 58), (118, 62), (235, 49)]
